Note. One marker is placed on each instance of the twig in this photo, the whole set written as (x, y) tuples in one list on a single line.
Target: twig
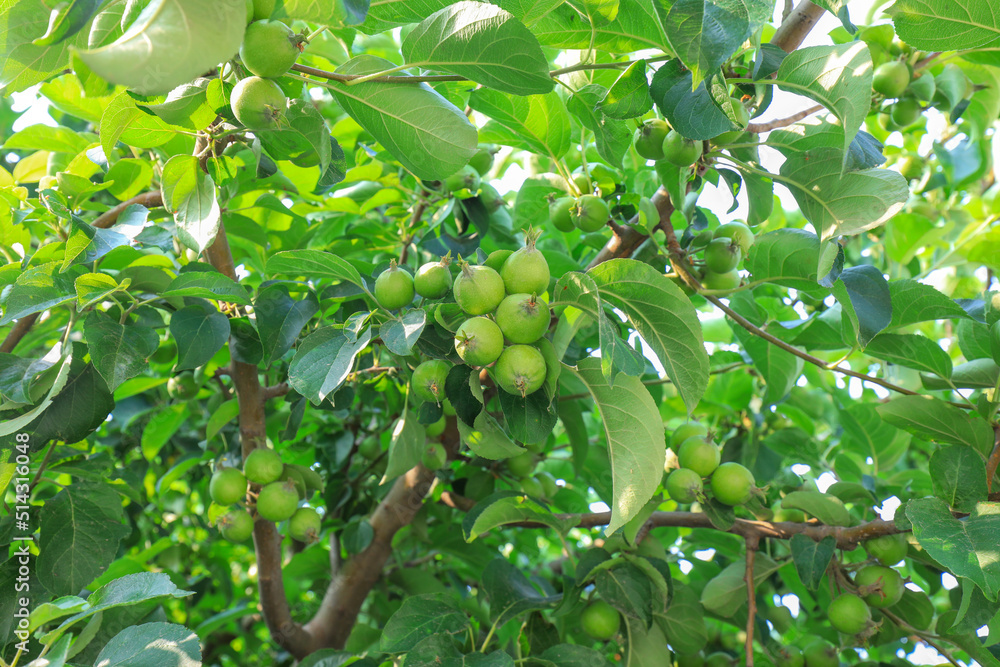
[(18, 332), (657, 381), (994, 461), (274, 391), (758, 128), (151, 199), (752, 544)]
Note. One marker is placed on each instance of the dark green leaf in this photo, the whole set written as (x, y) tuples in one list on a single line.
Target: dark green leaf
[(812, 558), (200, 332), (280, 319), (510, 593), (959, 477), (118, 352)]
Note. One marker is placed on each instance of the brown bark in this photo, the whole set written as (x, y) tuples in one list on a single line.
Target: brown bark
[(110, 217)]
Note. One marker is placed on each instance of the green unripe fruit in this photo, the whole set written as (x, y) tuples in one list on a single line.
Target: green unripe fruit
[(559, 213), (370, 448), (719, 659), (728, 280), (693, 660), (888, 549), (782, 514), (435, 456), (478, 289), (891, 79), (699, 455), (429, 378), (526, 271), (605, 177), (548, 482), (249, 4), (520, 370), (849, 614), (781, 618), (600, 620), (739, 233), (262, 9), (394, 288), (523, 318), (236, 526), (466, 178), (479, 341), (888, 585), (911, 167), (684, 486), (789, 656), (821, 653), (482, 161), (490, 197), (183, 386), (263, 466), (532, 487), (433, 280), (685, 431), (227, 486), (906, 112), (437, 428), (648, 139), (722, 255), (732, 484), (278, 501), (304, 525), (497, 258), (269, 48), (290, 473), (590, 213), (258, 103), (680, 151), (522, 465)]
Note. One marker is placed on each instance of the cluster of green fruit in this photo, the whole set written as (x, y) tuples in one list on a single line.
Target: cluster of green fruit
[(281, 487), (269, 50), (876, 586), (699, 458), (895, 80), (507, 316), (722, 250)]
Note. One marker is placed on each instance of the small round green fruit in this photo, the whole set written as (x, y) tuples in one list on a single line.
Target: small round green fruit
[(684, 486), (228, 486), (435, 456), (433, 280), (269, 48), (258, 103), (600, 620), (394, 287), (479, 341), (648, 139), (732, 484), (700, 455), (304, 525), (478, 289), (680, 151), (429, 378), (849, 614), (236, 525), (278, 501), (520, 370), (526, 271), (590, 213), (523, 318), (263, 466), (891, 79)]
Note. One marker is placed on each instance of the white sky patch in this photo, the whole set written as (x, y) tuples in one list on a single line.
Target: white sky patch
[(888, 509), (948, 581), (599, 506), (825, 481), (800, 468)]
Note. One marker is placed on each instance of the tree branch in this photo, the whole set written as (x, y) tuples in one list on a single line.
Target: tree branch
[(150, 199), (17, 332), (274, 391), (994, 461), (758, 128), (793, 30)]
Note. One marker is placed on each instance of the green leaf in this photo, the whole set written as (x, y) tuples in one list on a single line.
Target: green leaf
[(483, 43), (683, 622), (504, 507), (158, 430), (79, 409), (612, 136), (406, 447), (280, 319), (689, 108), (959, 477), (131, 176), (645, 644), (938, 421), (628, 96), (726, 593), (866, 306), (912, 351), (869, 435), (636, 26), (94, 287), (530, 418), (13, 425), (118, 352), (786, 257), (171, 42), (46, 138), (538, 123), (200, 331), (510, 593), (913, 302), (636, 441), (208, 285), (427, 134), (828, 509), (975, 374), (400, 334), (627, 589), (39, 288), (152, 645), (946, 26), (665, 318), (189, 193), (419, 617), (779, 368), (705, 33), (314, 264), (812, 558), (86, 244), (132, 589), (224, 414), (965, 546), (486, 439), (122, 119), (17, 374), (842, 203), (186, 106), (323, 361), (574, 655), (24, 63), (302, 134), (838, 76), (81, 528)]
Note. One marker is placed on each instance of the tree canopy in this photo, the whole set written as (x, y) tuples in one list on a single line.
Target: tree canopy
[(571, 333)]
